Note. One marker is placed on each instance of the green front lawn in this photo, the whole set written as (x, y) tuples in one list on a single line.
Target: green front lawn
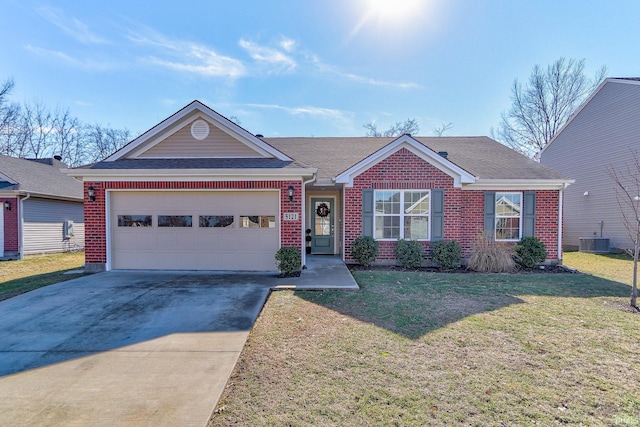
[(417, 348), (18, 277)]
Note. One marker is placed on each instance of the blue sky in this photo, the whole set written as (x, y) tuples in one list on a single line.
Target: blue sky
[(303, 68)]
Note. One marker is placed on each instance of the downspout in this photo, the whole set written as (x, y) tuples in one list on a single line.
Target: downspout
[(21, 226), (560, 203), (304, 221)]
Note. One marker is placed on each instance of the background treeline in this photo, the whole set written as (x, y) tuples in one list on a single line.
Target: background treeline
[(34, 130)]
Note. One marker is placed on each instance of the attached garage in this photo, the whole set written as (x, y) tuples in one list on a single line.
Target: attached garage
[(194, 230)]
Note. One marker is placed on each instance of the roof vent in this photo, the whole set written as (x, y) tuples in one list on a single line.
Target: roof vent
[(407, 134), (200, 129), (259, 135), (58, 158), (443, 154)]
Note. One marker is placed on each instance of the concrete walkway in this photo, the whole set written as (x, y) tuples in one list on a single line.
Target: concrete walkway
[(322, 272)]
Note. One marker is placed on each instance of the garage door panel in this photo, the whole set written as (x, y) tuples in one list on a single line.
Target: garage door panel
[(195, 247)]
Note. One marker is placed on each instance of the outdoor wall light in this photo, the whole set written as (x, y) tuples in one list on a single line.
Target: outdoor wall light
[(91, 192), (290, 192), (7, 205)]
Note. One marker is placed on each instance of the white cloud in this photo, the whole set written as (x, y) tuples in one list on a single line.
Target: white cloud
[(187, 56), (278, 61), (343, 118), (72, 26), (288, 44), (70, 60), (329, 69)]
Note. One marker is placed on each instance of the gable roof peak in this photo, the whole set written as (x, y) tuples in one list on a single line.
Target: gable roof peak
[(178, 118)]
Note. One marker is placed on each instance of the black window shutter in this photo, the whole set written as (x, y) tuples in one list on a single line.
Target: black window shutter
[(367, 212), (489, 213), (437, 214), (529, 214)]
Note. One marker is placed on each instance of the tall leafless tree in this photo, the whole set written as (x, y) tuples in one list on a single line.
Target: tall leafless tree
[(38, 125), (627, 183), (101, 141), (32, 130), (540, 108), (67, 138), (409, 126), (9, 119)]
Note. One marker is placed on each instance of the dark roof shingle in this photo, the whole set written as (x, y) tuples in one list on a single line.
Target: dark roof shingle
[(39, 178), (481, 156)]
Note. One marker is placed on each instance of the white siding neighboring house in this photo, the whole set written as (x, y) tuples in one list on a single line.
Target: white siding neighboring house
[(42, 208), (602, 133)]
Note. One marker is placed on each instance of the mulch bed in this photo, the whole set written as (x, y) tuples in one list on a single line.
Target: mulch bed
[(547, 269)]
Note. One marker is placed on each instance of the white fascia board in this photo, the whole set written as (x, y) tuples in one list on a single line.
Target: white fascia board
[(6, 178), (144, 175), (519, 184), (16, 194), (157, 132), (459, 175)]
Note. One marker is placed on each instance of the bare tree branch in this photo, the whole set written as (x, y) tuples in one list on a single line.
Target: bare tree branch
[(627, 182), (409, 126), (442, 128)]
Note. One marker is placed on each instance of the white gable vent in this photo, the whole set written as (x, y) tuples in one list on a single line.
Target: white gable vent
[(200, 129)]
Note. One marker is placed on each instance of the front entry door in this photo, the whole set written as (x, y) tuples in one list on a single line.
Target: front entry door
[(322, 231)]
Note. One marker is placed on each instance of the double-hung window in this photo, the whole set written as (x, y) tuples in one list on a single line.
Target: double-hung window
[(508, 216), (402, 214)]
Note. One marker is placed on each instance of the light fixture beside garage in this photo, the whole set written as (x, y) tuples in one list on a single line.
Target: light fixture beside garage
[(200, 129), (7, 205), (91, 192), (290, 193)]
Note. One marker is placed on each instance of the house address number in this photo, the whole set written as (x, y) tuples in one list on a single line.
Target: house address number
[(291, 216)]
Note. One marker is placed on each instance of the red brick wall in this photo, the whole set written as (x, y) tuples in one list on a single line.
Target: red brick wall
[(464, 209), (547, 220), (11, 225), (95, 219)]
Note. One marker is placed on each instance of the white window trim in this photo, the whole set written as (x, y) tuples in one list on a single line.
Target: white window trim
[(401, 214), (495, 220)]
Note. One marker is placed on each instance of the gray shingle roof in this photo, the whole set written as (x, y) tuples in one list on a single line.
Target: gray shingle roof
[(481, 156), (39, 178)]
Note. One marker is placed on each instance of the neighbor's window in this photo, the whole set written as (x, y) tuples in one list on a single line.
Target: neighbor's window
[(508, 216), (257, 221), (216, 220), (174, 220), (402, 214), (134, 220)]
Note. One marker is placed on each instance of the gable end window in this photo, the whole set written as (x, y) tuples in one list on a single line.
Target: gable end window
[(508, 216), (402, 214)]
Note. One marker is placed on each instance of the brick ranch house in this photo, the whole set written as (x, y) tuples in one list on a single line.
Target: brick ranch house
[(199, 192)]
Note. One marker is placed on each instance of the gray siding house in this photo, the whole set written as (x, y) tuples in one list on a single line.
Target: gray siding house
[(603, 133), (41, 209)]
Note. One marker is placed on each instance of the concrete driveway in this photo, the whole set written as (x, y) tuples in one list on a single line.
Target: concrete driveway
[(124, 348)]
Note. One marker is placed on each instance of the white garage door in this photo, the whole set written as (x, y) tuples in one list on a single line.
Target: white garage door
[(197, 230)]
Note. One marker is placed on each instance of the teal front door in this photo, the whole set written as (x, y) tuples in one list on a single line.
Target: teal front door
[(322, 231)]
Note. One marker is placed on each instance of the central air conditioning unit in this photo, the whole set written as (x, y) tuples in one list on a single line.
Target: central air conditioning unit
[(595, 245)]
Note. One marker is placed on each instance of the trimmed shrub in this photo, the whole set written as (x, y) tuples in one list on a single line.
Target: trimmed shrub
[(409, 253), (288, 260), (364, 250), (530, 252), (447, 254), (491, 257)]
